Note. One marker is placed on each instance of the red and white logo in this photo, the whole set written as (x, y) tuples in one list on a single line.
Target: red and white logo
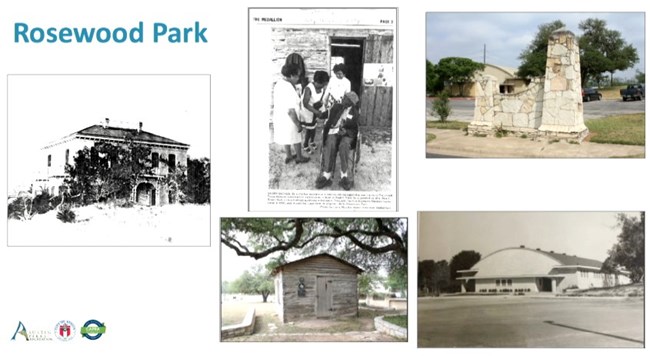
[(64, 330)]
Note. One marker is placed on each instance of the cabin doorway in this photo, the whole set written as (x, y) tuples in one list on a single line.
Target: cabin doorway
[(348, 51)]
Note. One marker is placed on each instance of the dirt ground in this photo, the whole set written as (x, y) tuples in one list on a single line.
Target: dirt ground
[(373, 172), (269, 328)]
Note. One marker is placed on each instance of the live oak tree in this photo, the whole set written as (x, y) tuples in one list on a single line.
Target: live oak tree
[(197, 185), (425, 274), (366, 283), (371, 244), (434, 84), (397, 280), (629, 250), (192, 182), (640, 77), (533, 57), (457, 71), (463, 260), (433, 277), (257, 281), (602, 50)]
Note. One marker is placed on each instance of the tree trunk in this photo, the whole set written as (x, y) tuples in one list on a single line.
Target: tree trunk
[(265, 296)]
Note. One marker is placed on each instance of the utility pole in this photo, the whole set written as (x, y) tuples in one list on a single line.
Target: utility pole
[(484, 53)]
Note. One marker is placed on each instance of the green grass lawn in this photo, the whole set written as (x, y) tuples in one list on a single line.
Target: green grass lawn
[(399, 320), (430, 137), (621, 129), (447, 125)]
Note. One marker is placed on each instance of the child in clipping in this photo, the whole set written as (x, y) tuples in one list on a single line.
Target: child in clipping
[(312, 108)]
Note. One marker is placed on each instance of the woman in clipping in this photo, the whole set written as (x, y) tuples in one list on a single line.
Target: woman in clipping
[(286, 106)]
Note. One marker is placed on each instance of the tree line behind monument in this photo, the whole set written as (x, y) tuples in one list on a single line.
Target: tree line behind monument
[(602, 51)]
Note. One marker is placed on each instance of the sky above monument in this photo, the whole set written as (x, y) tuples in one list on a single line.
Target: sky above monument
[(506, 34), (441, 235)]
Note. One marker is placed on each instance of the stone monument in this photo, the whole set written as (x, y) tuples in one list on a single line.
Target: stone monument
[(549, 106), (562, 111)]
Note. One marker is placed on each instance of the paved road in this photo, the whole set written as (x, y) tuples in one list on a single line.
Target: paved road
[(529, 322), (463, 110)]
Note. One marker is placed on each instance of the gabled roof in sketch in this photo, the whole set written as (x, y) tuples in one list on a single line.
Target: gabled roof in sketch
[(119, 133), (281, 267)]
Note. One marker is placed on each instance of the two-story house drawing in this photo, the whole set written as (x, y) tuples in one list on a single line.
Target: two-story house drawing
[(150, 189)]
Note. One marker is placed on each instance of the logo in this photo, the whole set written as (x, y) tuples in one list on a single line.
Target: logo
[(21, 330), (64, 330), (31, 335), (93, 330)]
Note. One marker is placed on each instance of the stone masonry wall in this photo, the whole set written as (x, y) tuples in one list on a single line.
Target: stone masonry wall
[(519, 112), (391, 329), (563, 112), (550, 106)]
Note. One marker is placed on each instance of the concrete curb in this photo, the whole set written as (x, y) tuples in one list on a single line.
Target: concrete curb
[(246, 327), (456, 143), (391, 329), (585, 297)]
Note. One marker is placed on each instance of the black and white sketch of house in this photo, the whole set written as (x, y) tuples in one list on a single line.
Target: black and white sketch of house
[(319, 286), (150, 189)]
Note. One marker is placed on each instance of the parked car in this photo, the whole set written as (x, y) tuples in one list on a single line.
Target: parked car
[(590, 94), (633, 92)]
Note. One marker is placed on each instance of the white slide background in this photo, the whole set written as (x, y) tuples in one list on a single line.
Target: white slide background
[(166, 300)]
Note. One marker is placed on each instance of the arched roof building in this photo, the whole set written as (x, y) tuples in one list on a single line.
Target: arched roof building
[(507, 78), (521, 269)]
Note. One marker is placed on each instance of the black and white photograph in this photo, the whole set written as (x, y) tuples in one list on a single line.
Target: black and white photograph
[(108, 160), (322, 109), (531, 279), (314, 279)]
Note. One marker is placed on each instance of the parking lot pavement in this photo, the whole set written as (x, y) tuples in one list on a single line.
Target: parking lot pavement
[(463, 110), (530, 322)]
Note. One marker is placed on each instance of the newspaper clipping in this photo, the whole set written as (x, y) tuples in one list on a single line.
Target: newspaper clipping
[(322, 109)]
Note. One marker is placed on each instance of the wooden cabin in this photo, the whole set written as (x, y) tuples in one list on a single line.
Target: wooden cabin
[(320, 286)]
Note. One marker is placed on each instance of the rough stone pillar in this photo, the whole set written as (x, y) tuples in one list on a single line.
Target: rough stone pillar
[(554, 285), (462, 287), (486, 87), (562, 114)]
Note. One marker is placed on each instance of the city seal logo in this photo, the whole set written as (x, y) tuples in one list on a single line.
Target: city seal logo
[(93, 330), (64, 330)]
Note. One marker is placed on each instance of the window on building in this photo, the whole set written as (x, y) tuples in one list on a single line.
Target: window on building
[(498, 282), (155, 158), (94, 155), (49, 160), (172, 162), (510, 282), (67, 155)]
